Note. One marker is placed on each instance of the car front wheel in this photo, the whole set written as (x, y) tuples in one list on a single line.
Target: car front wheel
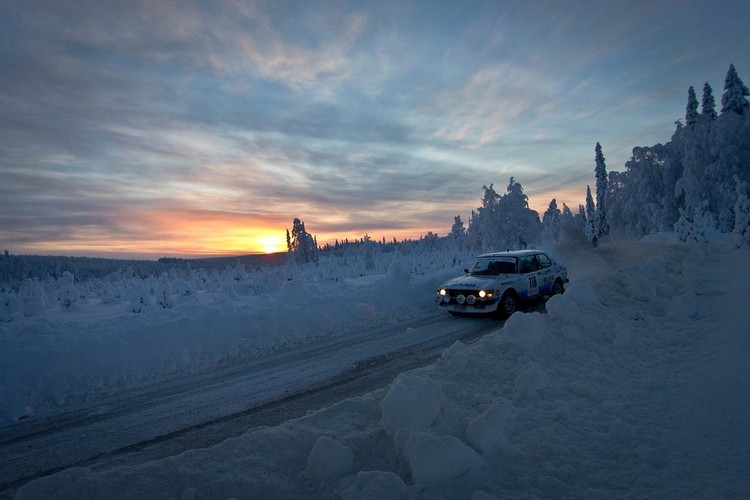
[(557, 288), (508, 304)]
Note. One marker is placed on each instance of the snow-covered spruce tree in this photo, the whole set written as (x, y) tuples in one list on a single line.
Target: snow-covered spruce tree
[(641, 203), (708, 106), (552, 222), (520, 226), (571, 230), (580, 219), (734, 98), (691, 111), (741, 214), (601, 226), (69, 294), (590, 217), (503, 222), (457, 236), (301, 243), (483, 226), (729, 147)]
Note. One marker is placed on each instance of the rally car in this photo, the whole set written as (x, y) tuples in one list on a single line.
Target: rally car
[(499, 282)]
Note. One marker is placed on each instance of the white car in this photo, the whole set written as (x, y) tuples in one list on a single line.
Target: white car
[(499, 282)]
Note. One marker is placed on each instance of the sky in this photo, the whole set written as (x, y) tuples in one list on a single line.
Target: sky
[(155, 128)]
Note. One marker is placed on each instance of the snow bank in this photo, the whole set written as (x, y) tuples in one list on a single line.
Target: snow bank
[(628, 407)]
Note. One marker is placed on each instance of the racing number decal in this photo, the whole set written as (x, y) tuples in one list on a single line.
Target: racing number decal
[(533, 286)]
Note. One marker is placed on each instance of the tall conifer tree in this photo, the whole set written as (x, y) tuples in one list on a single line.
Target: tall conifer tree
[(691, 112), (734, 99), (601, 226), (708, 108)]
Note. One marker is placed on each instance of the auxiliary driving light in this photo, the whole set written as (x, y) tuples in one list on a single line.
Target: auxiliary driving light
[(471, 300), (461, 299)]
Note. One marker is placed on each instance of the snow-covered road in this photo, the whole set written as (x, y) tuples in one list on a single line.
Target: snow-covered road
[(136, 418), (634, 384)]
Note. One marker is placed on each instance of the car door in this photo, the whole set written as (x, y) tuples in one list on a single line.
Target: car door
[(546, 273), (529, 269)]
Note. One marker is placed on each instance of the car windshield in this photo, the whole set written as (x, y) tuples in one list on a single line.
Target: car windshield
[(493, 266)]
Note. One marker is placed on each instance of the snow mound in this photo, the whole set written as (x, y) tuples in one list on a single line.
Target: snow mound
[(487, 431), (437, 459), (583, 294), (375, 485), (412, 402), (525, 330), (328, 458), (532, 378), (562, 307)]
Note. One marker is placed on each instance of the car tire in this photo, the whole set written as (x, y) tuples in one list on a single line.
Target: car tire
[(557, 288), (508, 304)]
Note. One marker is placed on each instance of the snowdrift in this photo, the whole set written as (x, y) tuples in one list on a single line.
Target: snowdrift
[(633, 385)]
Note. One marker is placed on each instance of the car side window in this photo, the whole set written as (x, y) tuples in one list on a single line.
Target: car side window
[(544, 261), (528, 264)]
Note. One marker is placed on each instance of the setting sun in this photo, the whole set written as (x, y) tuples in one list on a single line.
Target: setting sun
[(271, 244)]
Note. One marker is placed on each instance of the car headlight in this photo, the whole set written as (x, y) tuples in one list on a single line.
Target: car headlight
[(485, 294), (482, 293), (442, 292)]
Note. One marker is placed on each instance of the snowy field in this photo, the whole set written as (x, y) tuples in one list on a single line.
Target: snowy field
[(634, 384), (65, 344)]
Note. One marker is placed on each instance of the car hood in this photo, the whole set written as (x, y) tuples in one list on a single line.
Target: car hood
[(468, 282)]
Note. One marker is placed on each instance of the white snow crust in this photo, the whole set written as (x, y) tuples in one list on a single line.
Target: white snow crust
[(634, 384)]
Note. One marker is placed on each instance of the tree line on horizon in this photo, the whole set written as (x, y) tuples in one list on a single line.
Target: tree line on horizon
[(695, 185)]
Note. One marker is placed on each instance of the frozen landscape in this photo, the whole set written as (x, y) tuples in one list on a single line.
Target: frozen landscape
[(324, 368), (632, 384)]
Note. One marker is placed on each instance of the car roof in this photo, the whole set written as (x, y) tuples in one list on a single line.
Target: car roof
[(512, 253)]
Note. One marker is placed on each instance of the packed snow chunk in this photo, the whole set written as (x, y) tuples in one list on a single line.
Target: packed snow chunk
[(561, 307), (487, 431), (683, 306), (329, 458), (433, 459), (532, 378), (526, 330), (456, 356), (411, 402), (375, 485), (582, 294)]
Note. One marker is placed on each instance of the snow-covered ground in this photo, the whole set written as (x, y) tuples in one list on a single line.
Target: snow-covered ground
[(61, 358), (634, 384)]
